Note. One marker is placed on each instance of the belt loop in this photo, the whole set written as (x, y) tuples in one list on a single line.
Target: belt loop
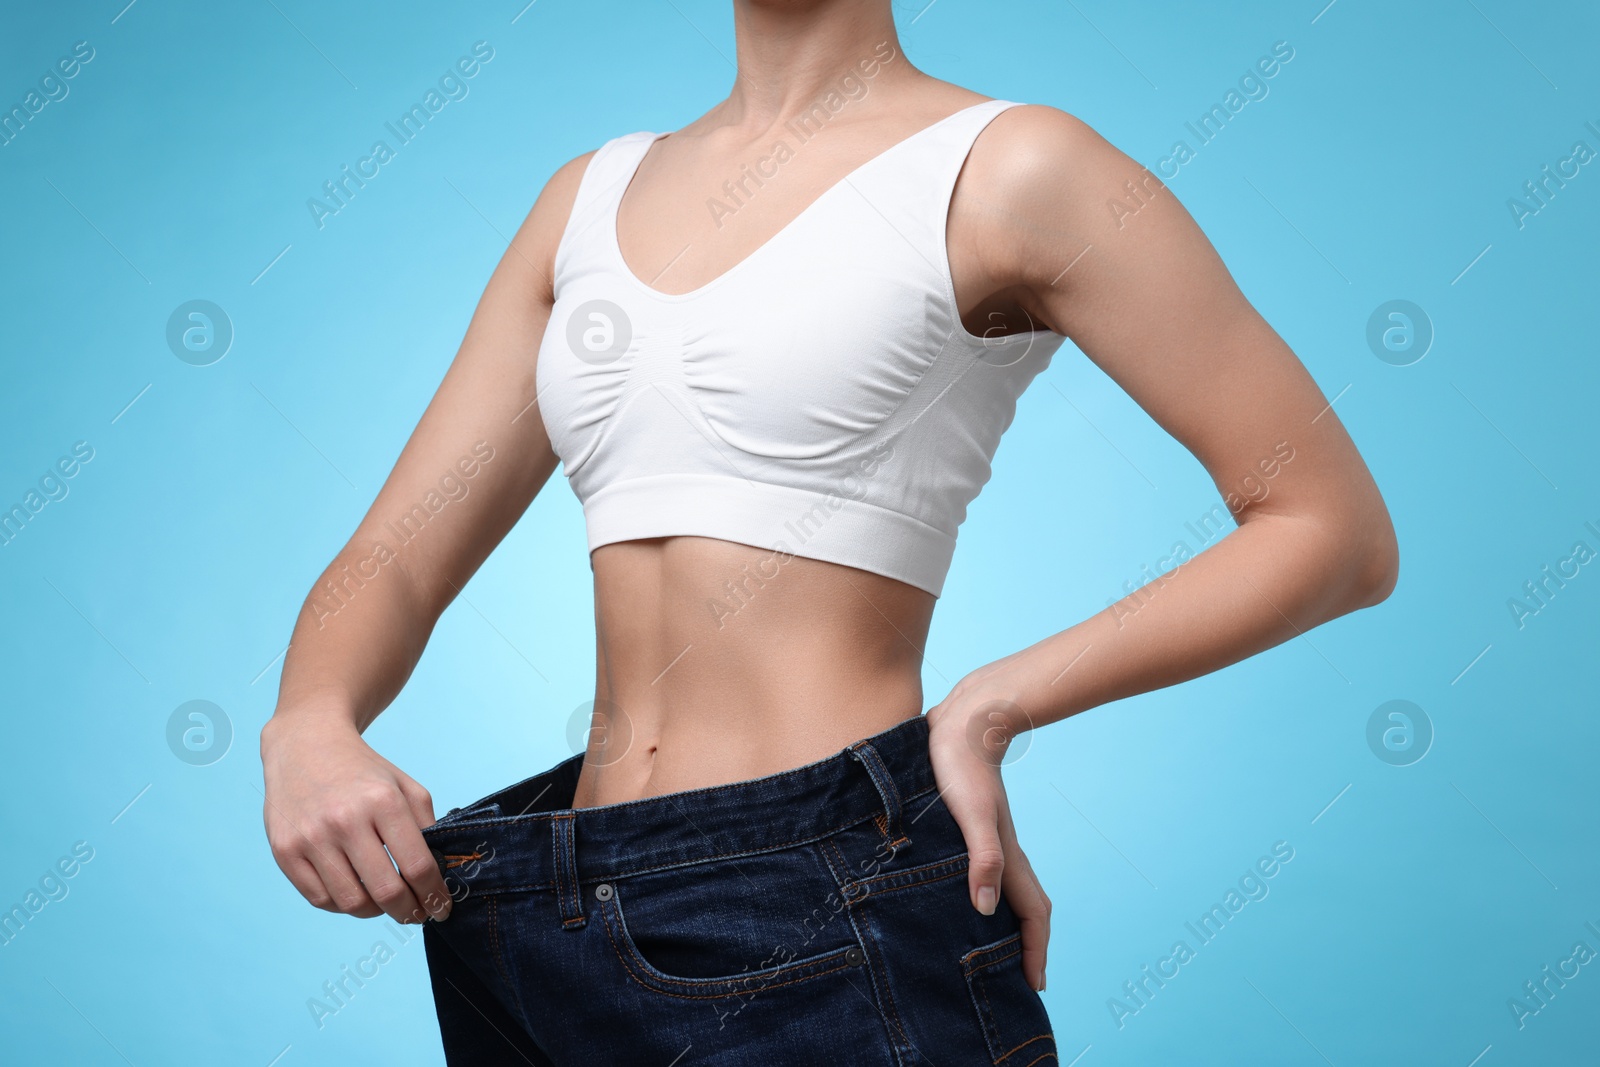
[(894, 834), (568, 899)]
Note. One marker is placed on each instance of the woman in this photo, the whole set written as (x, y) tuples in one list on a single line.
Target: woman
[(775, 351)]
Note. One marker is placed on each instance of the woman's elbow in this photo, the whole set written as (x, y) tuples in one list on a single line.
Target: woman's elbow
[(1377, 566)]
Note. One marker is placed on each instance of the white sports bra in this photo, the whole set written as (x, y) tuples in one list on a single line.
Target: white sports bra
[(820, 398)]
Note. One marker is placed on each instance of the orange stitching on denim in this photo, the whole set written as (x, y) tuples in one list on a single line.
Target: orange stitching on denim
[(652, 982), (499, 959), (564, 862), (896, 1028), (838, 867), (841, 873), (632, 871), (983, 959), (988, 1019), (1031, 1040), (990, 963), (954, 873), (998, 959), (456, 860), (996, 947), (888, 995), (494, 942), (875, 886)]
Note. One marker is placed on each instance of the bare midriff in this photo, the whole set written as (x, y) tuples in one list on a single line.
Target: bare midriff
[(718, 662)]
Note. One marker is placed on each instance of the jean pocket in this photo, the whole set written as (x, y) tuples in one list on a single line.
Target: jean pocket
[(727, 928), (1012, 1016)]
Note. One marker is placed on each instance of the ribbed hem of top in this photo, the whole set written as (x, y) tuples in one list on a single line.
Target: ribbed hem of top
[(799, 522)]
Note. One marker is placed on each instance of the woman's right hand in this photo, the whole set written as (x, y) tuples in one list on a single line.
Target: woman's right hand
[(332, 806), (332, 803)]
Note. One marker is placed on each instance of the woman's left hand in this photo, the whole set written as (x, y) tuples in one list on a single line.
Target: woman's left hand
[(968, 735)]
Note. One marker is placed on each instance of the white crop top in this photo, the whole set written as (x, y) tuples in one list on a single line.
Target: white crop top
[(821, 398)]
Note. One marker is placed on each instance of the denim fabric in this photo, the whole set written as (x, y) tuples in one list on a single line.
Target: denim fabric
[(817, 916)]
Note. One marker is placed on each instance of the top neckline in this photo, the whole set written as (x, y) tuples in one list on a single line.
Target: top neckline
[(627, 182)]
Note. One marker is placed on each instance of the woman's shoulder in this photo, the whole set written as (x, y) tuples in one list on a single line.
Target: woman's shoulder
[(1036, 153), (1039, 132), (1040, 186)]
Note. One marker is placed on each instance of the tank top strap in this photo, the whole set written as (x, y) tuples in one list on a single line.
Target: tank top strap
[(951, 144), (599, 190), (913, 189)]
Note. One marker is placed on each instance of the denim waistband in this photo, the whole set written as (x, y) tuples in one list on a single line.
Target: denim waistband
[(527, 836)]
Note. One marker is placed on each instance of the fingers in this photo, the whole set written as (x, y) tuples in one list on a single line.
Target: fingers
[(419, 801), (417, 867), (996, 863), (302, 874), (973, 794), (317, 868), (1027, 898), (1032, 907), (986, 870), (410, 850), (382, 882), (391, 839), (986, 860), (345, 824), (967, 770), (339, 863), (339, 878), (357, 877)]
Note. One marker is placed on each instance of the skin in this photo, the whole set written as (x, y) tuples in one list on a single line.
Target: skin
[(823, 655)]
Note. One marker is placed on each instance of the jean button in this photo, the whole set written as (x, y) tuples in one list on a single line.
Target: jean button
[(602, 892), (854, 956)]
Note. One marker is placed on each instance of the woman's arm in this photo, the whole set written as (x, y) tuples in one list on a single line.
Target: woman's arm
[(1149, 301), (1143, 294), (476, 459)]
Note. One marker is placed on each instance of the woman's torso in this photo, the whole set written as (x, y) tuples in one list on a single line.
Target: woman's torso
[(718, 661)]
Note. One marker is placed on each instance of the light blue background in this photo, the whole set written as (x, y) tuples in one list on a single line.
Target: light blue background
[(1378, 167)]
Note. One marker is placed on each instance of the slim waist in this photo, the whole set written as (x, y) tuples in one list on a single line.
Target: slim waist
[(529, 837)]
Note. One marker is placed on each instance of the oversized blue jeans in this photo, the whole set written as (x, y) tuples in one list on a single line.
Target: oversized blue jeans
[(817, 916)]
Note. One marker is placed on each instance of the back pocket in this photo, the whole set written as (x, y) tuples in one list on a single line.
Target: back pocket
[(1013, 1018)]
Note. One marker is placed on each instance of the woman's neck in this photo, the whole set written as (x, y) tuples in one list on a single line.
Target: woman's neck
[(794, 53)]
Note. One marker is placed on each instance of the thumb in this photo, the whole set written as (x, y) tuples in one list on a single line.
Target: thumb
[(986, 858)]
